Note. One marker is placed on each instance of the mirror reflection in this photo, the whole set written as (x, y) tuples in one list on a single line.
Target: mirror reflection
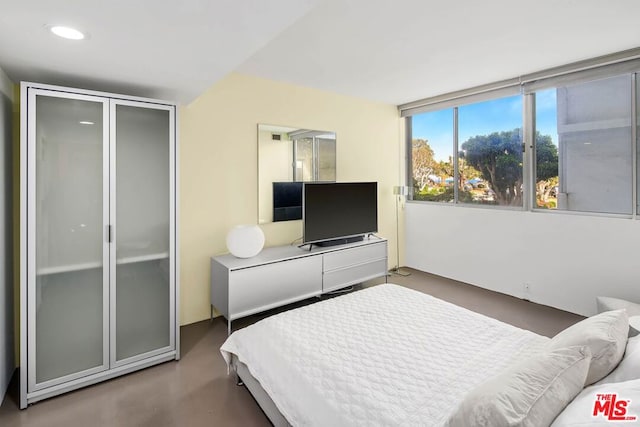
[(287, 157)]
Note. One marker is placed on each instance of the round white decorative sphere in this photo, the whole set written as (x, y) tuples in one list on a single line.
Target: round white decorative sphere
[(245, 241)]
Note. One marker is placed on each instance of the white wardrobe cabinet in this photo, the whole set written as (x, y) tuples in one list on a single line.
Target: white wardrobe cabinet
[(99, 285)]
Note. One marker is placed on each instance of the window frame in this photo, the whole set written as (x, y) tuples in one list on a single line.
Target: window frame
[(501, 92), (620, 63)]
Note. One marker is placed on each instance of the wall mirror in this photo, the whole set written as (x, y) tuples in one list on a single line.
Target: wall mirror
[(287, 157)]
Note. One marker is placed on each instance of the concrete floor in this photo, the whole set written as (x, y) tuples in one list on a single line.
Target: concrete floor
[(196, 391)]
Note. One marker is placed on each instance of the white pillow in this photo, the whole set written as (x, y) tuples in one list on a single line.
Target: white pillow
[(605, 334), (580, 411), (629, 367), (530, 393)]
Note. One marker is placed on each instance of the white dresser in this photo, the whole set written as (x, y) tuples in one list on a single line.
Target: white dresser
[(281, 275)]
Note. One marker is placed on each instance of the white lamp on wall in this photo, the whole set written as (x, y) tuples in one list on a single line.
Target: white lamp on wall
[(399, 191), (245, 241)]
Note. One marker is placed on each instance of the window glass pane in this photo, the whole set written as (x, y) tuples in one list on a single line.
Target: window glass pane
[(303, 159), (314, 159), (589, 126), (432, 156), (326, 159), (490, 135), (546, 141)]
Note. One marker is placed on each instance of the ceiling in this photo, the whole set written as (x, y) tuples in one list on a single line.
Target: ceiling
[(387, 51)]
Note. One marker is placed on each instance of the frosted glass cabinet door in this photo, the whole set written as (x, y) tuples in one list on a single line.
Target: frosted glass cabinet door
[(142, 137), (68, 292)]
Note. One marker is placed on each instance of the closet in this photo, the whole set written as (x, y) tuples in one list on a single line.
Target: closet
[(99, 285)]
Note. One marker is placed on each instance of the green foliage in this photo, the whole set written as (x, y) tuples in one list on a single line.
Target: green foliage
[(443, 194), (423, 162), (498, 157), (546, 157), (436, 194)]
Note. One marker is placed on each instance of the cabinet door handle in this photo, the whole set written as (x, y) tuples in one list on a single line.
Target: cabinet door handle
[(109, 233)]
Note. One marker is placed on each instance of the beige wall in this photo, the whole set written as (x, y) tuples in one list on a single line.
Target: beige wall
[(218, 166)]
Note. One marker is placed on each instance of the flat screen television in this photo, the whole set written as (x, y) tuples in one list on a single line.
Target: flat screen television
[(287, 201), (339, 212)]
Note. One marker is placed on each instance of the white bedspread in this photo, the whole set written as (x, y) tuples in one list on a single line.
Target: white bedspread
[(384, 356)]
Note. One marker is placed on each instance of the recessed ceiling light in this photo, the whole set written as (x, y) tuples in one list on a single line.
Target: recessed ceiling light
[(86, 122), (66, 32)]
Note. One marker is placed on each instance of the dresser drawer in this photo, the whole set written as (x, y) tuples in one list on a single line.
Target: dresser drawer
[(355, 256), (260, 288), (337, 279)]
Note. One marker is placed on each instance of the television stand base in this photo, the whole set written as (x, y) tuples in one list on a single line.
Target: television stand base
[(342, 241)]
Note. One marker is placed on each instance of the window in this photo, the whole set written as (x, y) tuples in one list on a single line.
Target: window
[(490, 135), (326, 158), (583, 144), (489, 153), (564, 139), (432, 156), (546, 140), (303, 160), (314, 156)]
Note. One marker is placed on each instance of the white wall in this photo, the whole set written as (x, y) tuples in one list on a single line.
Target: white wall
[(567, 259), (7, 363)]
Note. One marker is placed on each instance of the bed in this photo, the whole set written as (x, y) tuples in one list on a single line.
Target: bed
[(385, 355)]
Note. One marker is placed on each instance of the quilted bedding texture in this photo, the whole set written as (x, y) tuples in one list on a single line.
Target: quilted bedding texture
[(382, 356)]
